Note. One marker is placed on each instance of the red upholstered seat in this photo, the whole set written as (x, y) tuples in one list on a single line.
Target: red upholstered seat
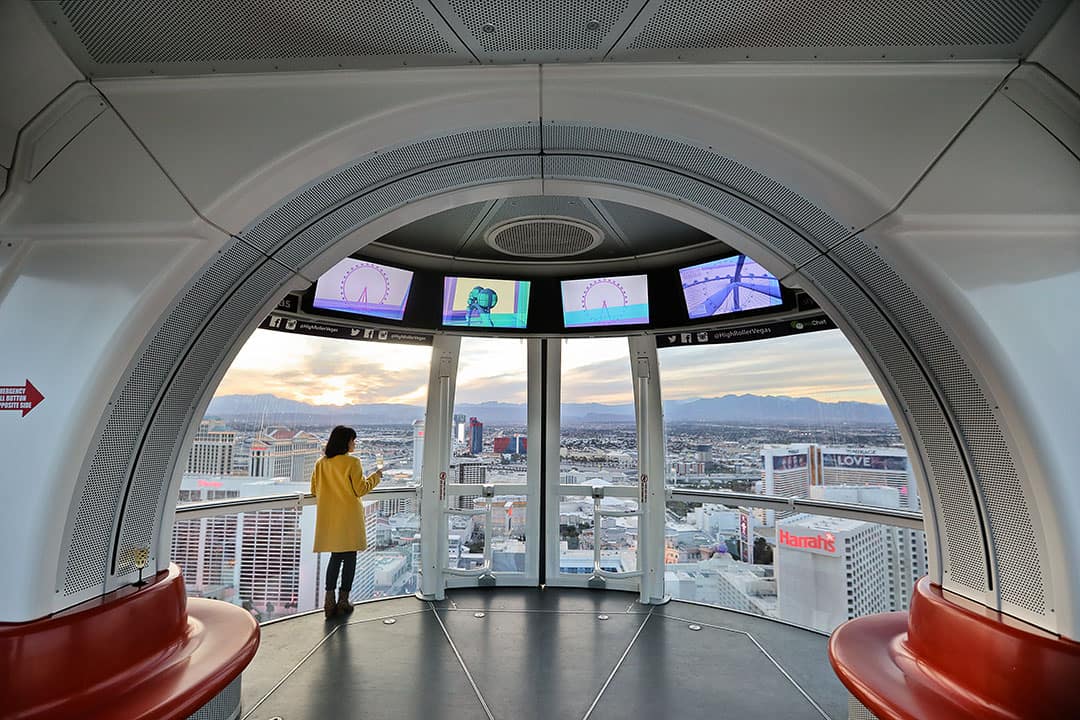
[(946, 661), (136, 653)]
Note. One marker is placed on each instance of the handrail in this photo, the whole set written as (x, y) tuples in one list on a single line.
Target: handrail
[(829, 508), (213, 508)]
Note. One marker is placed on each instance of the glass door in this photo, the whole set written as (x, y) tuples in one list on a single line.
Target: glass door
[(491, 536), (595, 515)]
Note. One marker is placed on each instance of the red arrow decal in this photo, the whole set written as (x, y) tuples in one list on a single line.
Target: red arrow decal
[(20, 397)]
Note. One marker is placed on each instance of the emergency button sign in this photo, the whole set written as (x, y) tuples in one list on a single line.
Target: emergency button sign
[(20, 397)]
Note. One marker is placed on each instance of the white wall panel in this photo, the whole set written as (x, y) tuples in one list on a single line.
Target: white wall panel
[(45, 71), (236, 145), (103, 179), (93, 248), (1059, 51), (71, 317), (852, 138), (991, 241)]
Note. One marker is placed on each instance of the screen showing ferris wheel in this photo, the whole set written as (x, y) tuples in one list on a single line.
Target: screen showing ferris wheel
[(485, 303), (729, 285), (364, 288), (622, 300)]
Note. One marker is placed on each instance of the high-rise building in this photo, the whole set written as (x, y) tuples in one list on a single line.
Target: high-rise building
[(905, 549), (417, 449), (278, 452), (212, 449), (459, 428), (888, 467), (470, 474), (476, 436), (510, 444), (703, 453), (260, 559), (792, 470), (829, 570)]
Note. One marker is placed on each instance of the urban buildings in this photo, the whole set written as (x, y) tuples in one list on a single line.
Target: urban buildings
[(476, 436), (281, 452), (417, 449), (510, 444), (212, 449), (263, 559)]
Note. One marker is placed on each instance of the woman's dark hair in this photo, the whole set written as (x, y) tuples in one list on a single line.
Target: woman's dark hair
[(338, 444)]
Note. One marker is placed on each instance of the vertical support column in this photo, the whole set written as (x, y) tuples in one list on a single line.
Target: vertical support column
[(538, 436), (552, 394), (648, 408), (438, 419)]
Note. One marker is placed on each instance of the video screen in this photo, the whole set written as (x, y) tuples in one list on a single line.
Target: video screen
[(362, 287), (485, 303), (727, 286), (603, 301)]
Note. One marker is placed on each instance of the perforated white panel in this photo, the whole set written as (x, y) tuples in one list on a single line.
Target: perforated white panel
[(105, 479), (224, 706), (1019, 557), (787, 243), (161, 446), (964, 550), (704, 163), (269, 231), (334, 225)]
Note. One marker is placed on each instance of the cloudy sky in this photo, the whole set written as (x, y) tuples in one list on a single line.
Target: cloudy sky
[(819, 365)]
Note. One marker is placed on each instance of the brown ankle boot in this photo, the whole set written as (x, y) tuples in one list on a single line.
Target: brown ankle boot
[(329, 606), (343, 605)]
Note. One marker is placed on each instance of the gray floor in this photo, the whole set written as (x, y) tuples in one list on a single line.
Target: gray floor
[(539, 654)]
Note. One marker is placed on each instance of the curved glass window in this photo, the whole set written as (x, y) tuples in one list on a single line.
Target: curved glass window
[(796, 417)]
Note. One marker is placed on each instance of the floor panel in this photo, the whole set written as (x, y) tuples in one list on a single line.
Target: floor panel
[(803, 654), (378, 672), (539, 654), (674, 672), (283, 644), (540, 665)]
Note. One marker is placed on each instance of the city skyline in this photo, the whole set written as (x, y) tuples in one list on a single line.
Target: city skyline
[(821, 365)]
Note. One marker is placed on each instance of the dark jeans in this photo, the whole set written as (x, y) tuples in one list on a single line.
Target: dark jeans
[(337, 560)]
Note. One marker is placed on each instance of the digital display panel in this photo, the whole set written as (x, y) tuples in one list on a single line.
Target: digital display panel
[(362, 287), (485, 303), (596, 302), (727, 286)]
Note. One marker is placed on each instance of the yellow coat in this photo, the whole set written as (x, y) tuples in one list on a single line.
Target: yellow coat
[(338, 483)]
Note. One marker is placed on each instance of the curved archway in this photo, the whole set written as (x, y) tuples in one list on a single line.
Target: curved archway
[(984, 512)]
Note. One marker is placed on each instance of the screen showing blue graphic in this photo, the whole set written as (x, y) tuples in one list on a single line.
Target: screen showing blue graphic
[(622, 300), (485, 303), (726, 286), (362, 287)]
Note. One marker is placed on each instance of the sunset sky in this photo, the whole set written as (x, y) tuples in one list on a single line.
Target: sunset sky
[(819, 365)]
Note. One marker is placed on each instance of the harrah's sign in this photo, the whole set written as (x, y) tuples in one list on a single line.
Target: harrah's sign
[(826, 542)]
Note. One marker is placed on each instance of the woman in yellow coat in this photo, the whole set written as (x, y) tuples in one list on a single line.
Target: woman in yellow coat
[(338, 483)]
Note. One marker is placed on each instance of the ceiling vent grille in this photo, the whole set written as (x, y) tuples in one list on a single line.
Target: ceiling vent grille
[(509, 26), (544, 237), (123, 31), (800, 24)]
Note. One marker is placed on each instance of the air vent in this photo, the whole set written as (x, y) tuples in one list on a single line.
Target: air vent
[(544, 237)]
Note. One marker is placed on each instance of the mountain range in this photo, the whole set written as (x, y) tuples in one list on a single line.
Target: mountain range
[(729, 408)]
